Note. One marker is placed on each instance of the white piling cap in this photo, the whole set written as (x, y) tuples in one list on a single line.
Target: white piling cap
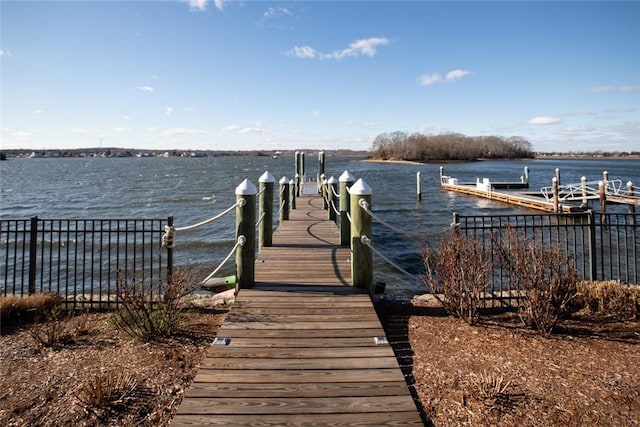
[(283, 180), (266, 177), (246, 188), (292, 182), (332, 180), (361, 188), (346, 177)]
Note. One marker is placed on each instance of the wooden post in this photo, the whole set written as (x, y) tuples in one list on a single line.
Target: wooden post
[(526, 175), (292, 194), (346, 180), (583, 186), (602, 192), (558, 176), (297, 165), (284, 199), (361, 254), (332, 189), (302, 172), (418, 186), (605, 177), (265, 232), (33, 254), (441, 174), (554, 186), (246, 230), (320, 170), (325, 195), (298, 188)]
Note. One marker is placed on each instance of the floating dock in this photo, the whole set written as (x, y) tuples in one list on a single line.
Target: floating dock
[(557, 198)]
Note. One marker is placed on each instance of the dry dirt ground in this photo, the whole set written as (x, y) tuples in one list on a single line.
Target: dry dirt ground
[(497, 373)]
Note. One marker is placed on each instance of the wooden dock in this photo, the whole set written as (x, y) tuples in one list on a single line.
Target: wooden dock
[(303, 347)]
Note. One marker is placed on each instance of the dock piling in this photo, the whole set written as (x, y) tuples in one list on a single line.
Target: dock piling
[(265, 206), (362, 256), (284, 199), (346, 180), (418, 186), (246, 231), (332, 190)]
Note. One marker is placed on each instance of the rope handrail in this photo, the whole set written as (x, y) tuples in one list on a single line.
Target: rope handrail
[(240, 242), (282, 191), (170, 231), (333, 190), (335, 209), (365, 206), (280, 208), (261, 191), (367, 242), (260, 219)]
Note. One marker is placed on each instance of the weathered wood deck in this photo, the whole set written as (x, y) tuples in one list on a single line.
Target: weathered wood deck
[(304, 347)]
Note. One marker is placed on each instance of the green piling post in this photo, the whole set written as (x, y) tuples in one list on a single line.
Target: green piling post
[(246, 234), (323, 191), (345, 181), (332, 189), (361, 254), (320, 170), (284, 200), (265, 203), (292, 194)]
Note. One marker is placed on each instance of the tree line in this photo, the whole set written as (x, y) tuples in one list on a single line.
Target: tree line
[(451, 146)]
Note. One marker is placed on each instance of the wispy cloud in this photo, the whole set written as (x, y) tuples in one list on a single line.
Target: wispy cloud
[(196, 5), (243, 130), (450, 77), (121, 130), (363, 47), (613, 89), (78, 130), (38, 111), (275, 12), (168, 111), (146, 88), (182, 131), (543, 120), (4, 52)]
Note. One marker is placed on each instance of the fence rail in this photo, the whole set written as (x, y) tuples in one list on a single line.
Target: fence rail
[(602, 246), (82, 260)]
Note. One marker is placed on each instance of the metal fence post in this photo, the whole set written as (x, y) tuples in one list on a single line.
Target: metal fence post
[(362, 256), (593, 268), (246, 230), (33, 252), (346, 180), (265, 232), (170, 252)]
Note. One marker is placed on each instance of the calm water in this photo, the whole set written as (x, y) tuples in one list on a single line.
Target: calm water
[(194, 189)]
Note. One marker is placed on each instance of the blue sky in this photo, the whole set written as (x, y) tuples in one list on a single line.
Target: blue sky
[(317, 74)]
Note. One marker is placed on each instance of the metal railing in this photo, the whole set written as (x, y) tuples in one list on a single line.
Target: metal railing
[(602, 246), (82, 260)]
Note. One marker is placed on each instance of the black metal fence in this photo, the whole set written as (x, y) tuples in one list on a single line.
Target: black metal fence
[(82, 260), (602, 246)]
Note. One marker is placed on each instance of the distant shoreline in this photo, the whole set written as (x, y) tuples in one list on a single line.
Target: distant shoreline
[(537, 157)]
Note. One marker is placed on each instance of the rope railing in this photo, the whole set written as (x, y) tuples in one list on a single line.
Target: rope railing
[(170, 231), (281, 205), (259, 221), (365, 206), (335, 209), (240, 242), (261, 191), (367, 242)]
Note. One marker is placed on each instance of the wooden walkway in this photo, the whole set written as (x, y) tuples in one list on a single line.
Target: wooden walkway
[(304, 348)]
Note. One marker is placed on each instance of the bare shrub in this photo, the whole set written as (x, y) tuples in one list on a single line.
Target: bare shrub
[(544, 278), (457, 274), (146, 311), (106, 392), (610, 299)]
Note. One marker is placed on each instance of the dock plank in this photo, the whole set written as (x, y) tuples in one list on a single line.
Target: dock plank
[(303, 346)]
